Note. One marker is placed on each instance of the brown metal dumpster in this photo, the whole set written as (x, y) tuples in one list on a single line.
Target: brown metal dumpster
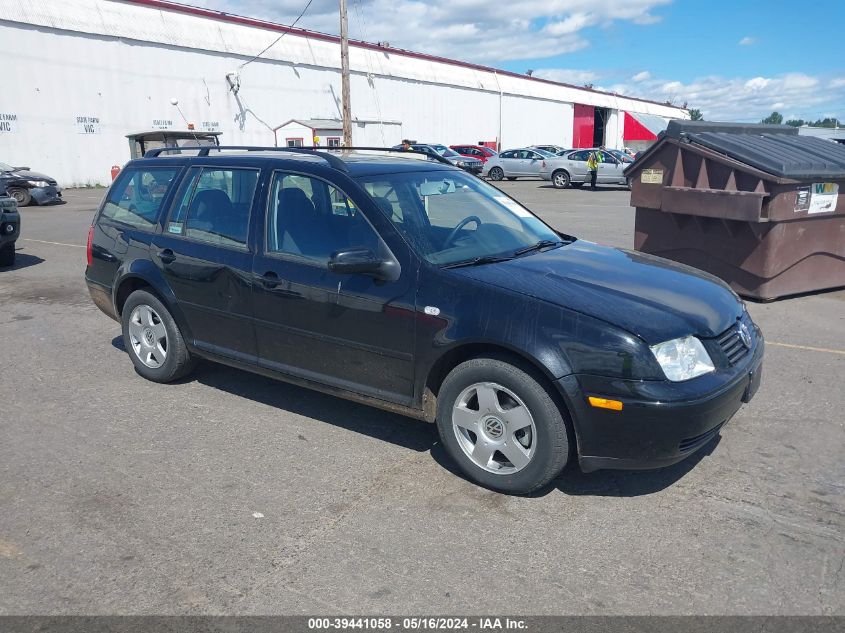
[(757, 205)]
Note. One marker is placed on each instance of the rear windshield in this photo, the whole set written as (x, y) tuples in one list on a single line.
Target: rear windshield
[(136, 196)]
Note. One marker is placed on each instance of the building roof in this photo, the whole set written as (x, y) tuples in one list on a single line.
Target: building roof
[(330, 124), (169, 5)]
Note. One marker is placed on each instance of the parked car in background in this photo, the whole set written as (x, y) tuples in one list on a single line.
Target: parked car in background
[(571, 169), (468, 163), (552, 149), (516, 163), (10, 228), (481, 152), (621, 156), (27, 186)]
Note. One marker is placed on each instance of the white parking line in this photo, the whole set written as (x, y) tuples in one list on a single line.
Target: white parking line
[(808, 348), (28, 239)]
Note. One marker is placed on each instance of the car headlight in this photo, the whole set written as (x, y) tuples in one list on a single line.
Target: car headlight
[(682, 358), (39, 183)]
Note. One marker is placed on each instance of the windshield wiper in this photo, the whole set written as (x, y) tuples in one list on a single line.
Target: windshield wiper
[(477, 261), (538, 246)]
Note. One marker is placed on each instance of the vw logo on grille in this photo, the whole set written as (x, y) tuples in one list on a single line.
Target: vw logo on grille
[(744, 335), (494, 428)]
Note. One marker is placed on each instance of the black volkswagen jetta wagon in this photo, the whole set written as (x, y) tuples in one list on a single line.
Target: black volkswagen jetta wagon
[(414, 286)]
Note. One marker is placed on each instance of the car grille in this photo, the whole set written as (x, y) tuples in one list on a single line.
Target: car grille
[(692, 443), (732, 345)]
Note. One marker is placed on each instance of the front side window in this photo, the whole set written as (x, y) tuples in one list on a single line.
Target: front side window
[(451, 217), (509, 154), (307, 217), (136, 196), (214, 205)]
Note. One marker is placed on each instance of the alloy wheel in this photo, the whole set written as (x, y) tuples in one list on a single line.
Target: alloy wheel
[(494, 428), (148, 336)]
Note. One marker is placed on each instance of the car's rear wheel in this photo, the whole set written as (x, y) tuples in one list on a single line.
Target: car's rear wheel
[(560, 179), (153, 340), (496, 174), (501, 426), (7, 254), (21, 196)]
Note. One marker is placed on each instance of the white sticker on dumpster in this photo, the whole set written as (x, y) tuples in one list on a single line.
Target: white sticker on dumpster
[(820, 197), (651, 176)]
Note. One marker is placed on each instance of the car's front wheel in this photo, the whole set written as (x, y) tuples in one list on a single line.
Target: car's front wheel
[(501, 426), (497, 173), (560, 179), (153, 340), (21, 196)]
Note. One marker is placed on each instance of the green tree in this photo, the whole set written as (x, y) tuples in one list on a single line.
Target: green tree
[(775, 118), (695, 114), (796, 122)]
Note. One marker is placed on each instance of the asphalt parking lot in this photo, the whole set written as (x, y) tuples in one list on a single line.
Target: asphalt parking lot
[(231, 493)]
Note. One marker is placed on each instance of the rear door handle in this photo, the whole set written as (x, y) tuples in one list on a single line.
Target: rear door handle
[(167, 256), (270, 279)]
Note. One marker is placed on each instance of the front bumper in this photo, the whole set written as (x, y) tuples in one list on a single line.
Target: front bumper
[(10, 225), (46, 195), (652, 431), (474, 169)]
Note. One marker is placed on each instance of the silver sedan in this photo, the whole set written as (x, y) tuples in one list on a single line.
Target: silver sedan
[(571, 169), (516, 163)]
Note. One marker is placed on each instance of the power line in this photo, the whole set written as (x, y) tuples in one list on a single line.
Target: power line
[(276, 41)]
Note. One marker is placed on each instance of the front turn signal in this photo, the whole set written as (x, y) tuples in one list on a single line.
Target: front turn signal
[(604, 403)]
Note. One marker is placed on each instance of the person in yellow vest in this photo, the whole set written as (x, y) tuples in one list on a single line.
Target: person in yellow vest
[(593, 161)]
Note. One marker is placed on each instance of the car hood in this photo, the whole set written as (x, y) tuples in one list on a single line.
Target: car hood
[(31, 175), (462, 158), (654, 298)]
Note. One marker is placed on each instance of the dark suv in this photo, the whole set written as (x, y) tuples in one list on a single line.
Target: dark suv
[(416, 287)]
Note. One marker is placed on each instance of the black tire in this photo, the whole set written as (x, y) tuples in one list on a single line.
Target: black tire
[(7, 254), (628, 183), (496, 173), (560, 179), (21, 196), (178, 361), (552, 442)]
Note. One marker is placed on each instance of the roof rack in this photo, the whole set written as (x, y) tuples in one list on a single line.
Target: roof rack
[(333, 161), (322, 152)]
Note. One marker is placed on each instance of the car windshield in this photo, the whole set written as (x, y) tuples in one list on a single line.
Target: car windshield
[(5, 167), (451, 217), (444, 151)]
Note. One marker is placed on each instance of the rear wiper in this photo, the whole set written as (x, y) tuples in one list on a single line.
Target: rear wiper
[(538, 246), (477, 261)]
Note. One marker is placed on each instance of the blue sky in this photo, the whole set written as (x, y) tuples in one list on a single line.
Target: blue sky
[(735, 60)]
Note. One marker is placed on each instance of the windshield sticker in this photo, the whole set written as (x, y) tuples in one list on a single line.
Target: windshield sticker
[(174, 227), (513, 206)]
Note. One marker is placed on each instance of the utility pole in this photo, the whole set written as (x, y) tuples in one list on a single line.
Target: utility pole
[(344, 75)]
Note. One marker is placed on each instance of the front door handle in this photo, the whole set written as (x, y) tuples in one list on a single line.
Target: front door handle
[(270, 279), (167, 256)]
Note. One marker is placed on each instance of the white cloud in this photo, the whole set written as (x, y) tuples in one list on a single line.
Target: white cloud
[(472, 30), (747, 41), (743, 99), (642, 76), (837, 83), (567, 75)]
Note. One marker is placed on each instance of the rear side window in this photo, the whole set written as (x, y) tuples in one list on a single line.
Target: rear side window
[(136, 196), (214, 205)]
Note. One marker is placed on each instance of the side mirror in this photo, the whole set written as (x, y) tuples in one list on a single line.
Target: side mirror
[(356, 261)]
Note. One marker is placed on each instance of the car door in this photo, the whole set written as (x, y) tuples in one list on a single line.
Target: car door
[(532, 164), (348, 330), (204, 256), (578, 165), (509, 162), (610, 169)]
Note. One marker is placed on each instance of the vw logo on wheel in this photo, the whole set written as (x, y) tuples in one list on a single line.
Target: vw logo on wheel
[(744, 335), (494, 428)]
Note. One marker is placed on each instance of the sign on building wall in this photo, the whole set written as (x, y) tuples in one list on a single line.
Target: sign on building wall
[(210, 126), (87, 125), (8, 122), (162, 124)]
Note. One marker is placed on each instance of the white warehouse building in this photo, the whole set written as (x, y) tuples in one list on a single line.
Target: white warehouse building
[(80, 75)]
